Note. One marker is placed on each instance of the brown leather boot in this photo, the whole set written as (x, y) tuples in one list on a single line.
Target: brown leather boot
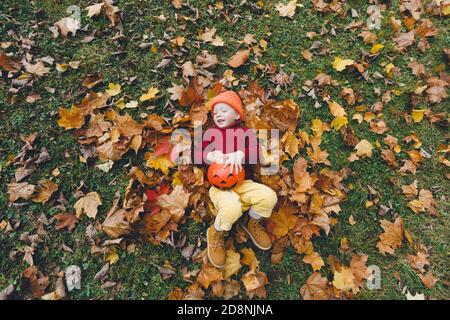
[(258, 234), (216, 247)]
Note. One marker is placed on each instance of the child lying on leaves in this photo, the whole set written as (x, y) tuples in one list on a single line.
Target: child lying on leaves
[(235, 146)]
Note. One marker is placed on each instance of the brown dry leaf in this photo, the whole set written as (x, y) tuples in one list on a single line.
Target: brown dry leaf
[(67, 25), (175, 202), (192, 94), (254, 282), (8, 63), (316, 288), (91, 80), (239, 58), (38, 68), (410, 190), (316, 154), (22, 190), (65, 220), (283, 220), (72, 118), (315, 260), (45, 190), (428, 280), (88, 204), (176, 294), (208, 275), (286, 10), (111, 12), (392, 237), (436, 89), (419, 261), (364, 148), (94, 10), (93, 101), (302, 178), (307, 55), (359, 269), (32, 280), (116, 224), (290, 143)]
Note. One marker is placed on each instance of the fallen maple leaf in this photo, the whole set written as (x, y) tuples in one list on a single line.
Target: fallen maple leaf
[(392, 237), (364, 148), (232, 264), (315, 260), (72, 118), (286, 10), (428, 280), (249, 258), (45, 190), (150, 95), (316, 288), (113, 89), (209, 274), (22, 190), (340, 64), (239, 58), (88, 204), (67, 25), (34, 281), (175, 202), (283, 221), (38, 68), (254, 282), (344, 280), (65, 220)]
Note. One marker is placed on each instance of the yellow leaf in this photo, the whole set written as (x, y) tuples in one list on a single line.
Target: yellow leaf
[(249, 258), (232, 264), (113, 89), (417, 115), (389, 67), (71, 118), (112, 256), (339, 122), (339, 64), (61, 67), (120, 103), (161, 162), (376, 48), (290, 143), (150, 95), (344, 280)]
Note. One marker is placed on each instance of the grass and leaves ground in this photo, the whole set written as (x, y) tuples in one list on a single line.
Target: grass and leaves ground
[(135, 274)]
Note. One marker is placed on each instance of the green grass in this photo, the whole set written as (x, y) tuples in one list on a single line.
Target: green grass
[(136, 272)]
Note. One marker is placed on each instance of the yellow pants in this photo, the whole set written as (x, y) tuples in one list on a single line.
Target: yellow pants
[(230, 203)]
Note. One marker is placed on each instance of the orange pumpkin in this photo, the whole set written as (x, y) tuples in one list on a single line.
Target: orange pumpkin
[(222, 178)]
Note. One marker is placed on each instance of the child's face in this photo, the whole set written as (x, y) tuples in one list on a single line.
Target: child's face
[(224, 115)]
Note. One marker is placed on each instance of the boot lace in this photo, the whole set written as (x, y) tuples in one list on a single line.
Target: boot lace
[(218, 240)]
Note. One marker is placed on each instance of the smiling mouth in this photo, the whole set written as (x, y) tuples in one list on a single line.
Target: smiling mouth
[(220, 121)]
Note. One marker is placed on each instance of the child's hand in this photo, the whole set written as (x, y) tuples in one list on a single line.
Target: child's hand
[(235, 160), (216, 156)]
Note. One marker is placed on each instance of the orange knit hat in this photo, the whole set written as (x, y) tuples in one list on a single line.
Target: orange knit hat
[(232, 99)]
